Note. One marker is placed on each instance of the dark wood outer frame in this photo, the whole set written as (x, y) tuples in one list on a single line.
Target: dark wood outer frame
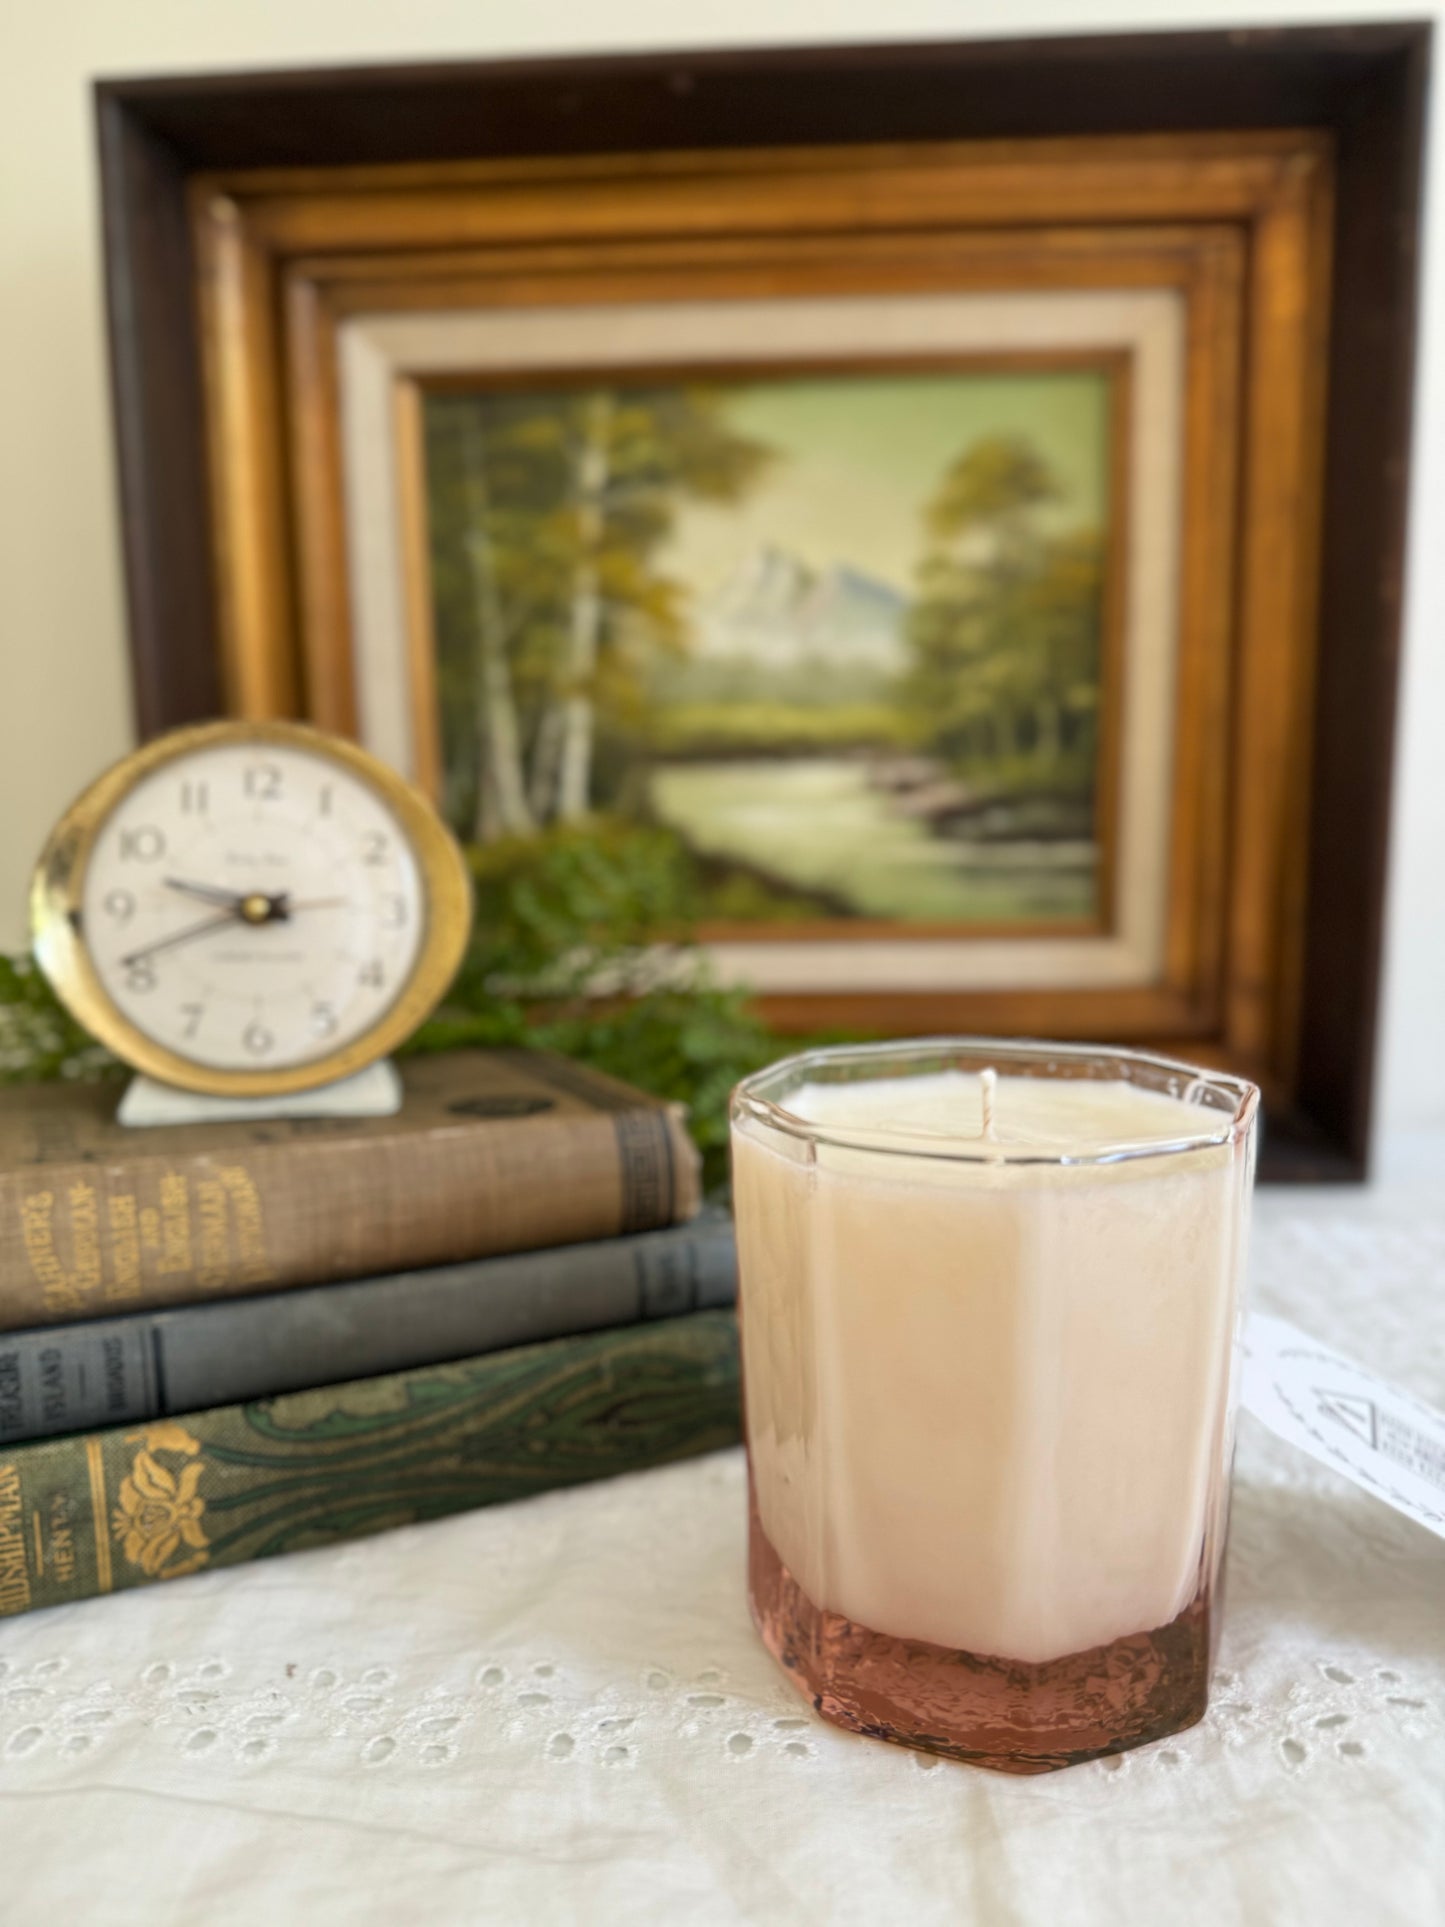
[(1365, 86)]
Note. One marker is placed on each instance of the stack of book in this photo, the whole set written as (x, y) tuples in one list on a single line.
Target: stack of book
[(223, 1341)]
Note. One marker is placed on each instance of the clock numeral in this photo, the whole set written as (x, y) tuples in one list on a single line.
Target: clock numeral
[(323, 800), (262, 783), (374, 846), (119, 904), (144, 844), (257, 1039), (393, 913), (195, 799), (372, 974), (193, 1013), (323, 1020), (140, 974)]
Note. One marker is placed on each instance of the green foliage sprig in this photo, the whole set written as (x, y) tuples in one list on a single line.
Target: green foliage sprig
[(564, 956), (39, 1039)]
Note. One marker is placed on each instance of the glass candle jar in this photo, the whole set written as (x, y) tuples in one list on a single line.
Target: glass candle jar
[(990, 1299)]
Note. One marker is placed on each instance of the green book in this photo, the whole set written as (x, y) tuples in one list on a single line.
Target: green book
[(99, 1512)]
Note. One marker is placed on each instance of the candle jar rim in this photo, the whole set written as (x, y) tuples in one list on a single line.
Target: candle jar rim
[(1231, 1100)]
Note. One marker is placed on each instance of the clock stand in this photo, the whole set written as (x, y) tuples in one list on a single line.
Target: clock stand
[(373, 1092)]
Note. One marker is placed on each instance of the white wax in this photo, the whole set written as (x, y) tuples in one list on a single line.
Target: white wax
[(1049, 1115), (986, 1402)]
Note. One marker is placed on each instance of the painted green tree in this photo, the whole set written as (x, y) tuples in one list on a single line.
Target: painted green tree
[(547, 514), (1006, 627)]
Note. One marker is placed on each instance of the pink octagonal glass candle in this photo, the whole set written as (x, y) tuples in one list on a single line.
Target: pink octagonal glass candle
[(990, 1299)]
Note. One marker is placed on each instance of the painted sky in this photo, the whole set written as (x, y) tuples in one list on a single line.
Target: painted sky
[(859, 456)]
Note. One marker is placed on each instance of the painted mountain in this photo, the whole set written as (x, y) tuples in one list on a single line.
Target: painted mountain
[(778, 612)]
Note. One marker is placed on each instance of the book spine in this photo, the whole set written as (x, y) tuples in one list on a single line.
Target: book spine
[(85, 1238), (115, 1371), (104, 1511)]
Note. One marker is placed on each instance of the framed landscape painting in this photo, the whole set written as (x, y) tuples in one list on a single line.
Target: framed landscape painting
[(949, 500), (867, 601), (842, 634)]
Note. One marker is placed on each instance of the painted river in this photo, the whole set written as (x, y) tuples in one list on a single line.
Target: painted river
[(820, 824)]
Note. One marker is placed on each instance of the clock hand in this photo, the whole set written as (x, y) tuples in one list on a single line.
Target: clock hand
[(248, 906), (207, 890), (180, 936)]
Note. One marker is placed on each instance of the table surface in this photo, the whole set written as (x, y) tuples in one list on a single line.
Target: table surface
[(558, 1711)]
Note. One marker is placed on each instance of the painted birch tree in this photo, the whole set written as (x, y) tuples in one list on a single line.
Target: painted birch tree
[(547, 515)]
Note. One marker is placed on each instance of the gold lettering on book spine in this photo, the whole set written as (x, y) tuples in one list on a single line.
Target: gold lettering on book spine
[(221, 1242), (62, 1290), (124, 1222), (39, 1235), (14, 1570), (62, 1538), (175, 1225), (84, 1238), (212, 1240), (253, 1262)]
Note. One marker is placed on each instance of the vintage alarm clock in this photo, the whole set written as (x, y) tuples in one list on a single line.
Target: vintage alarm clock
[(250, 909)]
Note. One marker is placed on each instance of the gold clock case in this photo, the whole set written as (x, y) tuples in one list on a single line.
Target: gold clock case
[(58, 937)]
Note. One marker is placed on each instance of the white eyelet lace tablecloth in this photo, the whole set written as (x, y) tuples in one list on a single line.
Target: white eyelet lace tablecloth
[(558, 1712)]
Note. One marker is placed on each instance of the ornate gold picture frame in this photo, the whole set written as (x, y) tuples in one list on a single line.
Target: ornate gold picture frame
[(327, 299)]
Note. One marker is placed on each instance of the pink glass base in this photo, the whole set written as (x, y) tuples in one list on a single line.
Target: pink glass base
[(1000, 1713)]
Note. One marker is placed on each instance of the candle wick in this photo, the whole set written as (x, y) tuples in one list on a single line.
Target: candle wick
[(988, 1084)]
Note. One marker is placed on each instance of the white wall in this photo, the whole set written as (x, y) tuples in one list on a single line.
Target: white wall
[(64, 706)]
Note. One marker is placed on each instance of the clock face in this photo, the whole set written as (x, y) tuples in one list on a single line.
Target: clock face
[(254, 909)]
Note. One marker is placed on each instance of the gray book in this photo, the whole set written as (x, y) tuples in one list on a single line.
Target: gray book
[(112, 1371)]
